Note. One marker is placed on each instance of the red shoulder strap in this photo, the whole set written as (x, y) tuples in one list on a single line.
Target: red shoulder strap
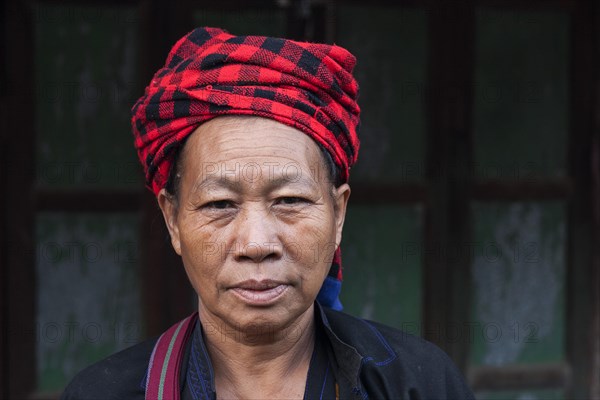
[(165, 363)]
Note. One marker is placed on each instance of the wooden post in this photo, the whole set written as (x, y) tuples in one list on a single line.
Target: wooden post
[(581, 289), (449, 99), (17, 218)]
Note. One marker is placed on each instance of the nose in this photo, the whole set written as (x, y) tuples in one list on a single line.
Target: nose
[(257, 238)]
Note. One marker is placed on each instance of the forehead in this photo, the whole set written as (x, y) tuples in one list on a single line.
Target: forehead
[(233, 142)]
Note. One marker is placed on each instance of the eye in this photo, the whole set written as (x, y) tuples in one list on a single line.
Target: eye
[(291, 200), (218, 204)]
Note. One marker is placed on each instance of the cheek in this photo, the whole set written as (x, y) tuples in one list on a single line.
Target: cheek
[(311, 243), (202, 253), (200, 270), (322, 227), (199, 238)]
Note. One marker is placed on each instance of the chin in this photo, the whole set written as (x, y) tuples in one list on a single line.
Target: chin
[(268, 322)]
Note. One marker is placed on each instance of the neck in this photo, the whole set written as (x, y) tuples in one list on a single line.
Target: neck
[(268, 364)]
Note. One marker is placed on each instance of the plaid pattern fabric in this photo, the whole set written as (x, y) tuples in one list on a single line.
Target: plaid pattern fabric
[(210, 72)]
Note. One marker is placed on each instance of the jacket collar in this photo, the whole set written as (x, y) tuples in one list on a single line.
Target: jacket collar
[(347, 358), (368, 346), (356, 343)]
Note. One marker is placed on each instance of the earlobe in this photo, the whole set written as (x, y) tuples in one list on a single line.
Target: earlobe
[(342, 194), (169, 211)]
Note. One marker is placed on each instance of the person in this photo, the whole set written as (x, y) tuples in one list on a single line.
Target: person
[(247, 142)]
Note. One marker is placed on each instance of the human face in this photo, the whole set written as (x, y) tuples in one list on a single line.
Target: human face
[(256, 221)]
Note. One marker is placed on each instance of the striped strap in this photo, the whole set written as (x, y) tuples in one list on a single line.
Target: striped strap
[(165, 363)]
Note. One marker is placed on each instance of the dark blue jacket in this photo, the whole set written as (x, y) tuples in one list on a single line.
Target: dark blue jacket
[(368, 359)]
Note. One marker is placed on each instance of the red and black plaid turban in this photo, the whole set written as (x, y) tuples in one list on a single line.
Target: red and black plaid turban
[(210, 72)]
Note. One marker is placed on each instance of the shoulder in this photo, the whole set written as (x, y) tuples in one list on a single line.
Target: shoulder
[(399, 358), (372, 337), (118, 376)]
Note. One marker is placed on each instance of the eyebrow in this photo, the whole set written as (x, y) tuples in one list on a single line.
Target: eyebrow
[(282, 180), (234, 183), (213, 182)]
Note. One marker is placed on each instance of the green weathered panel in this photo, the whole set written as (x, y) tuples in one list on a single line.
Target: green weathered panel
[(390, 44), (521, 94), (381, 249), (88, 292), (519, 271), (85, 72), (247, 22)]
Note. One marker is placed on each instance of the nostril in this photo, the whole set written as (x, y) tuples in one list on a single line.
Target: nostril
[(258, 253), (270, 258)]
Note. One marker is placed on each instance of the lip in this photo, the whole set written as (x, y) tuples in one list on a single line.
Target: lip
[(259, 293)]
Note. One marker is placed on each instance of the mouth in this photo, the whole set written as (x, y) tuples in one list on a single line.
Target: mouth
[(259, 293)]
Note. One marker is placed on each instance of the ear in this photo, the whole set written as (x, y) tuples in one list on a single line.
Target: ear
[(169, 211), (340, 196)]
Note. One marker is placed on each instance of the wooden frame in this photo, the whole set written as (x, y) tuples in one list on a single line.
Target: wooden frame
[(446, 199), (451, 63), (17, 263), (547, 376), (582, 278)]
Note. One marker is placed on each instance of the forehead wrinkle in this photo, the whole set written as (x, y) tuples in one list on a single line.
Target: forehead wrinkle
[(227, 149), (271, 147)]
